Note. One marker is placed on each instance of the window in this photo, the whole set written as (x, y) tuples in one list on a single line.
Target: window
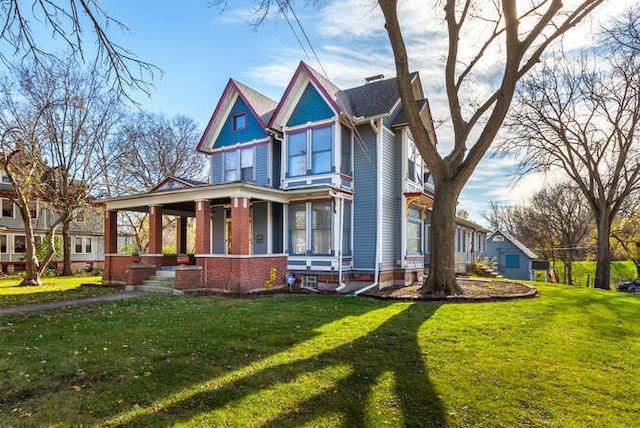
[(345, 162), (78, 245), (414, 232), (19, 245), (512, 261), (3, 244), (316, 141), (346, 229), (298, 154), (321, 227), (414, 163), (321, 143), (239, 121), (230, 166), (5, 177), (87, 245), (7, 208), (246, 164), (33, 209), (79, 216), (297, 229)]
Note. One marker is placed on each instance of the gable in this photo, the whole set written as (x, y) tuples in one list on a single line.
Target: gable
[(252, 129), (310, 108)]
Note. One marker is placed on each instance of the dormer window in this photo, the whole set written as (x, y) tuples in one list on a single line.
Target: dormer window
[(239, 121)]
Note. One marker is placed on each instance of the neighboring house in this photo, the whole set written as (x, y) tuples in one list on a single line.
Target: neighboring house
[(469, 243), (514, 260), (326, 184), (87, 244)]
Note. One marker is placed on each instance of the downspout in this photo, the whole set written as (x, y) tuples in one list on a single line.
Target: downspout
[(340, 238), (379, 211)]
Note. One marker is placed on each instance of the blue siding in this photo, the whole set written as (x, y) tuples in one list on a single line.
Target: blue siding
[(262, 164), (392, 217), (311, 108), (218, 230), (259, 223), (253, 130), (364, 199), (217, 168), (505, 252), (392, 116)]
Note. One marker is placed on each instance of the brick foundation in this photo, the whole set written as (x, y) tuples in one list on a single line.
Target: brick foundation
[(243, 274), (115, 268), (188, 277), (138, 273)]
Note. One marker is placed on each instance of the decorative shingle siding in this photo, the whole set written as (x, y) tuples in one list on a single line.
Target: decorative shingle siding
[(262, 164), (310, 108), (391, 190), (259, 223), (253, 130), (217, 168), (364, 199)]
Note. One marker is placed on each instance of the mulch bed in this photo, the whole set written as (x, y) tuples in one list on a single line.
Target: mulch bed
[(474, 290)]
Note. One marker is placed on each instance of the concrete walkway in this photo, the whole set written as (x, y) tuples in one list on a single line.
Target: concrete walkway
[(78, 302)]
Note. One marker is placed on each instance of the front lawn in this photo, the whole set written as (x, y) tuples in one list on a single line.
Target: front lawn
[(567, 358), (52, 289)]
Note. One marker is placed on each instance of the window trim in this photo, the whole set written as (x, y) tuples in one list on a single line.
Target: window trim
[(235, 116), (309, 153)]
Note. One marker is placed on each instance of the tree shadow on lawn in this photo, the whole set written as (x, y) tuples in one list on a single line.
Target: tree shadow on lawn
[(387, 359)]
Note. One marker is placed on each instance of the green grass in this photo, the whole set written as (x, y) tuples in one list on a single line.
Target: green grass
[(566, 358), (52, 289), (585, 271)]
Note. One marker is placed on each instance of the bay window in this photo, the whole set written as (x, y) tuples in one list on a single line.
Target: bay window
[(310, 150), (414, 232), (310, 228), (297, 229), (321, 227)]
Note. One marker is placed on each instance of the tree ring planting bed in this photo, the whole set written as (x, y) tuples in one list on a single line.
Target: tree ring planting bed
[(474, 290)]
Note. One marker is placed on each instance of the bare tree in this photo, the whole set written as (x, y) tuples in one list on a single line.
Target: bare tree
[(148, 148), (626, 232), (511, 41), (22, 24), (74, 117), (583, 120)]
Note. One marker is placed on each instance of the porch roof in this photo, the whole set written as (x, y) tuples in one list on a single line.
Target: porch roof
[(182, 201)]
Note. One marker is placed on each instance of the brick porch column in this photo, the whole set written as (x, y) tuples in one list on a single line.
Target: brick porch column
[(155, 229), (110, 232), (240, 226), (181, 238), (203, 227)]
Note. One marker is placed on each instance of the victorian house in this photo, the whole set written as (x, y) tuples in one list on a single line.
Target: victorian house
[(325, 184)]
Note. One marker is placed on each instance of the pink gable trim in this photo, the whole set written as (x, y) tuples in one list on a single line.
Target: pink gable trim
[(227, 92), (303, 68)]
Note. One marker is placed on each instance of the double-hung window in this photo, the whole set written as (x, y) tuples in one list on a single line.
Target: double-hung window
[(297, 229), (321, 227), (7, 208), (231, 166), (414, 232), (310, 228), (310, 150), (246, 164), (414, 163)]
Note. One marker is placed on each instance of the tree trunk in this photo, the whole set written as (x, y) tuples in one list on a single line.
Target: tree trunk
[(32, 266), (603, 255), (442, 270), (66, 248), (569, 267)]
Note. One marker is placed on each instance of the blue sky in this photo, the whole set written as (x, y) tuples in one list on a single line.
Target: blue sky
[(199, 49)]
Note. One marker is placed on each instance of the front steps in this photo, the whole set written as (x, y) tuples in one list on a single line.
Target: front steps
[(163, 282)]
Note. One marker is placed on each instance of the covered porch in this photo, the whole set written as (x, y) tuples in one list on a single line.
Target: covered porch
[(238, 237)]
